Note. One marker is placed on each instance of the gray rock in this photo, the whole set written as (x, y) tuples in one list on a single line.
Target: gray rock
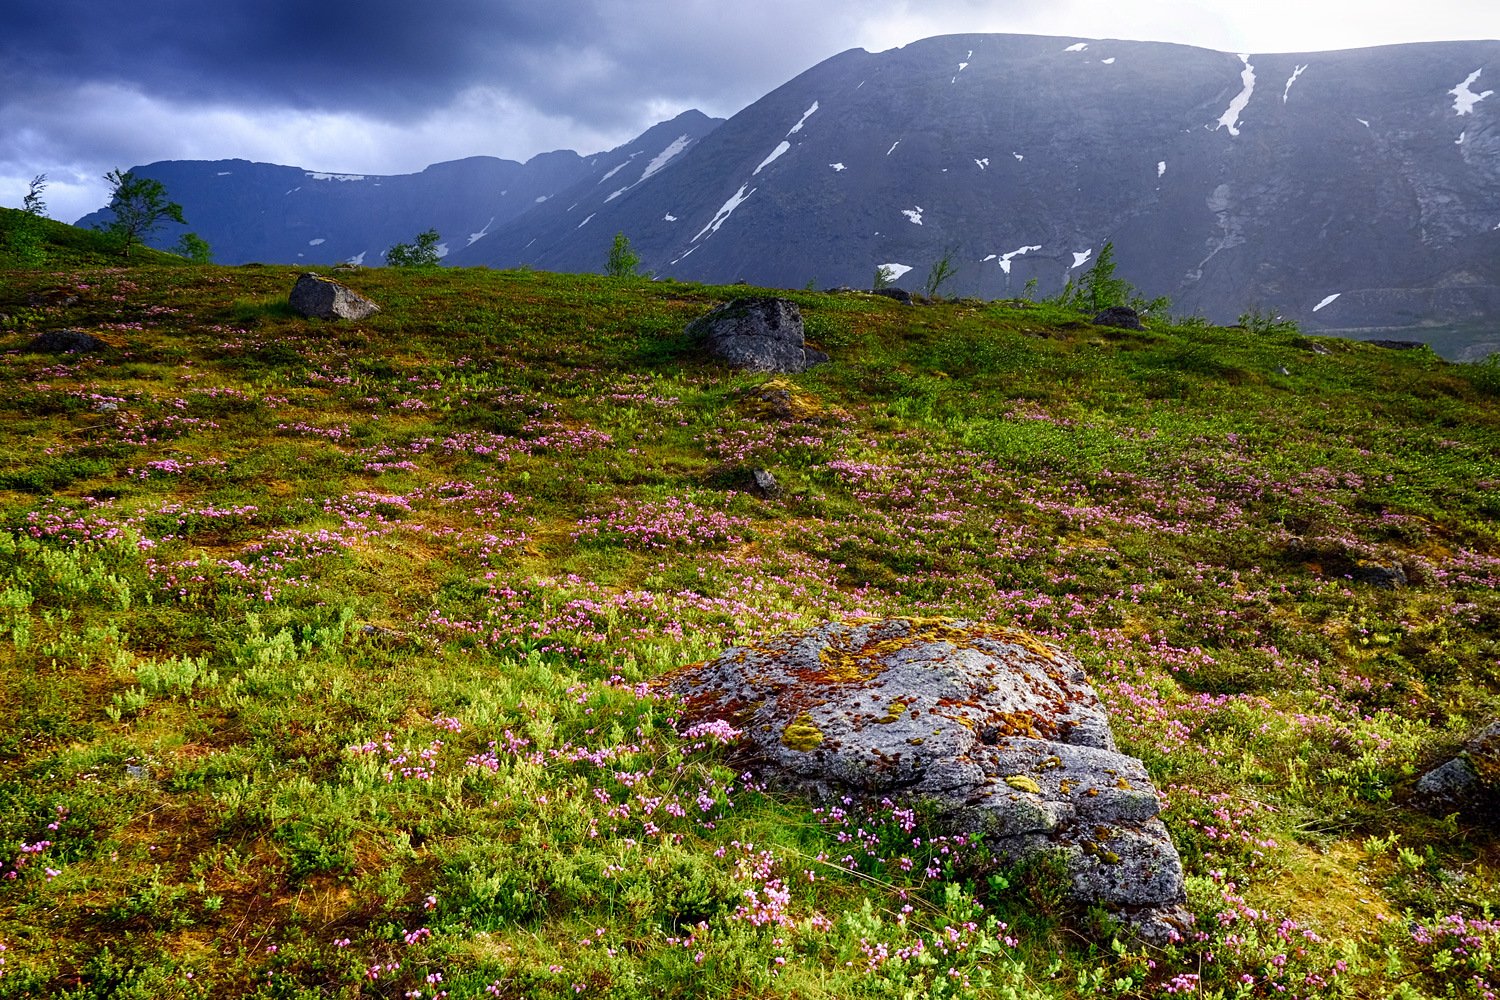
[(1002, 732), (1468, 784), (764, 484), (66, 342), (901, 295), (1122, 317), (757, 334), (317, 297)]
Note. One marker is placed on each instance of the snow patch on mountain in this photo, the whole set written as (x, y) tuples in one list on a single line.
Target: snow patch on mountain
[(476, 237), (838, 167), (617, 169), (888, 152), (1291, 80), (358, 259), (725, 211), (1077, 47), (442, 250), (1108, 62), (314, 175), (585, 221), (775, 154), (669, 217), (541, 198), (893, 271), (223, 173), (1006, 257), (1080, 259), (1018, 157), (1328, 301), (983, 162), (1161, 168), (1230, 119), (1464, 99), (665, 156), (1461, 137), (317, 242), (914, 214), (803, 120)]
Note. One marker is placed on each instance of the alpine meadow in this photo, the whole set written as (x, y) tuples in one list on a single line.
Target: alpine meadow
[(330, 649)]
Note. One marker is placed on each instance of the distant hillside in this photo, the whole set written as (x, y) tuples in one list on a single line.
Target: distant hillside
[(280, 214)]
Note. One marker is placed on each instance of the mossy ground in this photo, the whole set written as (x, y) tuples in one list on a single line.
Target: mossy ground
[(323, 646)]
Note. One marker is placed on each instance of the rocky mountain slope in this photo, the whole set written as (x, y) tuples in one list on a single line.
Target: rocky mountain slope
[(1352, 190)]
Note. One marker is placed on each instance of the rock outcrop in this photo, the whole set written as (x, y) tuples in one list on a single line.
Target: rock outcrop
[(317, 297), (1001, 731), (1469, 784), (757, 334)]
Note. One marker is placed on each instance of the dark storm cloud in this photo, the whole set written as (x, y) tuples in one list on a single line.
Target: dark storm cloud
[(394, 59)]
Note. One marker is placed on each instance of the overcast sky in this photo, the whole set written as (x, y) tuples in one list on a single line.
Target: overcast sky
[(389, 86)]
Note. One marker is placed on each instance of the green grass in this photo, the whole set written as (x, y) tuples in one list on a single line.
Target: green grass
[(324, 646)]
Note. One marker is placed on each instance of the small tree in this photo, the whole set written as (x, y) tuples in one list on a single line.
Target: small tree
[(424, 253), (1098, 289), (884, 277), (140, 206), (942, 272), (23, 242), (195, 248), (623, 261), (33, 203)]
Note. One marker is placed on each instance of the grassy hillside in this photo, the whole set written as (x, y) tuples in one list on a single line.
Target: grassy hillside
[(29, 242), (323, 645)]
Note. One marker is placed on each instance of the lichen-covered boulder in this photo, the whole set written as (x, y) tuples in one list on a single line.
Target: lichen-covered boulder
[(1002, 732), (317, 297), (1468, 784), (757, 334)]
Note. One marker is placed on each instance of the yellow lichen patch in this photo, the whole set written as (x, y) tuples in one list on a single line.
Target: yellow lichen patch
[(894, 712), (1024, 783), (802, 734), (779, 399)]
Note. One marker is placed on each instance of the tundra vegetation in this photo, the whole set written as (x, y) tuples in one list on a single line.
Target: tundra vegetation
[(325, 647)]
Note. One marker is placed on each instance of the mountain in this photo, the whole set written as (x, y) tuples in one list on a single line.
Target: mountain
[(281, 214), (1354, 189), (1350, 191)]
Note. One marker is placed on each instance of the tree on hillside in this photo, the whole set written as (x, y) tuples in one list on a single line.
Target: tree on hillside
[(195, 248), (423, 253), (623, 261), (33, 203), (140, 206)]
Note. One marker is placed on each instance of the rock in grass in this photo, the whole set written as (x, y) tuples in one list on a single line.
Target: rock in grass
[(757, 334), (1002, 732), (1469, 784), (317, 297), (1120, 317), (66, 342)]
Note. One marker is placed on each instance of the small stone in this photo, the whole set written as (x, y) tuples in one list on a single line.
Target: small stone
[(1282, 370), (764, 484), (901, 295)]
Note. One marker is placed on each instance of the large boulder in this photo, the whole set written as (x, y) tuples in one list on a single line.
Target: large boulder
[(1468, 784), (1121, 317), (317, 297), (758, 334), (1002, 732)]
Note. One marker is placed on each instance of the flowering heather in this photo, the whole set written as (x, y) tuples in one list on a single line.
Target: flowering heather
[(328, 648)]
